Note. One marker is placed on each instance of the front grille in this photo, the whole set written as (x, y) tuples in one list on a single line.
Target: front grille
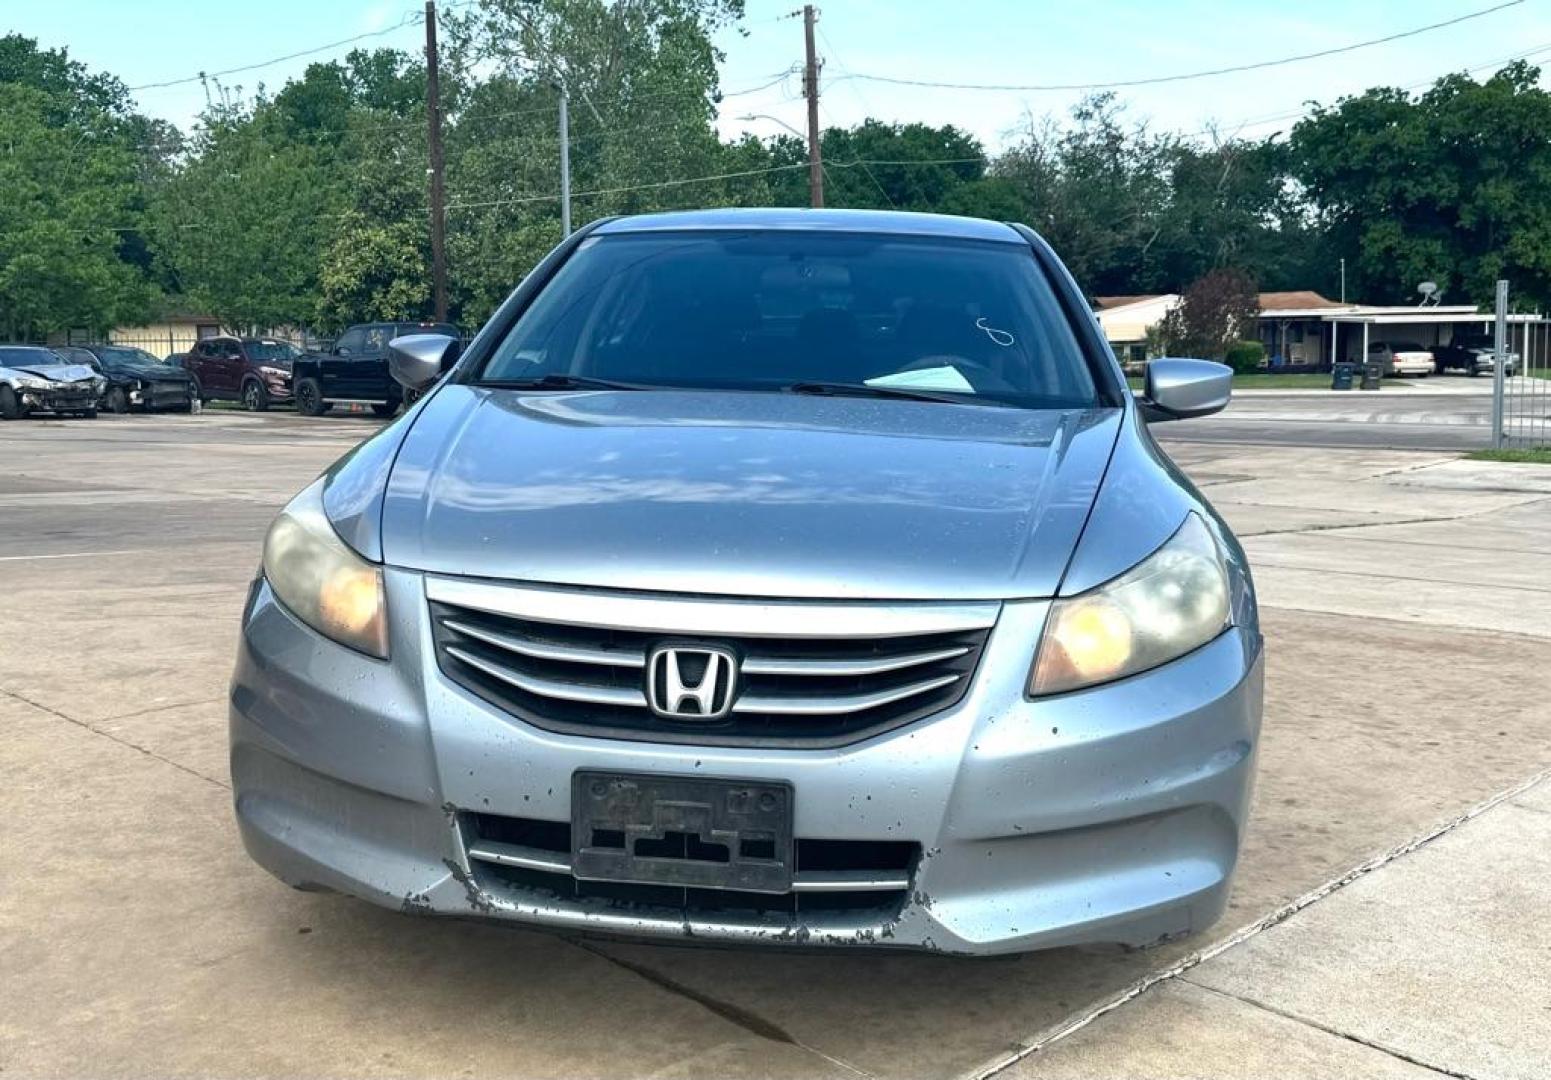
[(810, 690), (526, 855)]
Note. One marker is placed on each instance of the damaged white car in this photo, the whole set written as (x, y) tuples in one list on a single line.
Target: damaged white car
[(35, 379)]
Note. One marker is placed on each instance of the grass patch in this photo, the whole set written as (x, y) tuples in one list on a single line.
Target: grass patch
[(1540, 455)]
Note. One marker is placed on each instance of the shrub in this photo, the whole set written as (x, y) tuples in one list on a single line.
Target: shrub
[(1245, 357)]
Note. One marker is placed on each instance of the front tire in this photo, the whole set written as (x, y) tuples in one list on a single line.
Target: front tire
[(197, 392), (309, 397), (10, 405), (90, 414), (255, 398), (117, 400)]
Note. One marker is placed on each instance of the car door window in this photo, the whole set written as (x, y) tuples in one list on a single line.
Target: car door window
[(377, 338), (350, 343)]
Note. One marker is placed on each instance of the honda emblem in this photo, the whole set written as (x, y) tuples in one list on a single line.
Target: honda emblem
[(691, 682)]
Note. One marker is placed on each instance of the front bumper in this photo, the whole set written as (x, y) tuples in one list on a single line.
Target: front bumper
[(59, 399), (1112, 815)]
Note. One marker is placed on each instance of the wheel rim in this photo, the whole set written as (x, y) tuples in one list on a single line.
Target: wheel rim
[(309, 399), (250, 396)]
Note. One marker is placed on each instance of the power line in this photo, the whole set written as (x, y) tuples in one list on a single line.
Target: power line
[(1157, 79), (524, 199), (1298, 114), (408, 20)]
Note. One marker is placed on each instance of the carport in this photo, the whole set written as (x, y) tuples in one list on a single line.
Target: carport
[(1429, 327)]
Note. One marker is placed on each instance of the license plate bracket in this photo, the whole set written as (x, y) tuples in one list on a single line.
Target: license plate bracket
[(687, 831)]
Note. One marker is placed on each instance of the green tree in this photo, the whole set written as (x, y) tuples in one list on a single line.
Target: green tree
[(76, 161), (1097, 190), (70, 196), (241, 226), (1452, 186), (642, 84)]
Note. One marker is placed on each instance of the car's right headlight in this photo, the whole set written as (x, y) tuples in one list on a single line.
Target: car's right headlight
[(321, 581), (1171, 603)]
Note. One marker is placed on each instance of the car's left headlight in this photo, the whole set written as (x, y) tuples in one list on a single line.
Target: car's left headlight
[(1169, 604), (321, 581), (31, 382)]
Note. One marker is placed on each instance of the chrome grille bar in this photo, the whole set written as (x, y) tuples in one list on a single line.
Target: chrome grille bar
[(836, 704), (551, 688), (776, 665), (812, 881), (547, 650), (726, 618)]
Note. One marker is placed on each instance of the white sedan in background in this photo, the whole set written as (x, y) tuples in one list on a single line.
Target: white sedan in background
[(1403, 358)]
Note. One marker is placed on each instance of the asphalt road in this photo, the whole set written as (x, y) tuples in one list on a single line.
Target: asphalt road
[(1446, 417)]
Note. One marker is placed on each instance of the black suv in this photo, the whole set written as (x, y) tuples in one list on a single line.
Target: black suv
[(355, 368)]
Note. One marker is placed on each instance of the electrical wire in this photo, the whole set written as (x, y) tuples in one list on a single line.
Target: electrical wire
[(1298, 114), (1184, 76)]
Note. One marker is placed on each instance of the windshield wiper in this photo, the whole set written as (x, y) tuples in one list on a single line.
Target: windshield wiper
[(840, 389), (559, 381)]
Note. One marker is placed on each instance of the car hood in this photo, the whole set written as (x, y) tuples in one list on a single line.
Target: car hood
[(753, 494), (55, 372)]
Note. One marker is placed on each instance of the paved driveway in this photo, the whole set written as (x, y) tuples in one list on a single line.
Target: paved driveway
[(1408, 635)]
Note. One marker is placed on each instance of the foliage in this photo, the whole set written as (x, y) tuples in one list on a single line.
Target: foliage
[(1245, 357), (70, 196), (1453, 186), (1212, 313)]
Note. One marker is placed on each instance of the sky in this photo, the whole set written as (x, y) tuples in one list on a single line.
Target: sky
[(1020, 42)]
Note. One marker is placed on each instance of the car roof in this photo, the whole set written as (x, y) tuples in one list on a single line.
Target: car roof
[(891, 222)]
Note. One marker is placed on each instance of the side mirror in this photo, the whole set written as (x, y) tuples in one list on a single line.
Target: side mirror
[(340, 350), (418, 360), (1181, 389)]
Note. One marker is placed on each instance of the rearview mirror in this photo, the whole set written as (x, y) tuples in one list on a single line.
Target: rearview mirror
[(1180, 389), (418, 360)]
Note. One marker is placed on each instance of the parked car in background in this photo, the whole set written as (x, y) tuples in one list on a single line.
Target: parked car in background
[(35, 379), (355, 368), (255, 371), (783, 577), (1403, 358), (1474, 354), (135, 378)]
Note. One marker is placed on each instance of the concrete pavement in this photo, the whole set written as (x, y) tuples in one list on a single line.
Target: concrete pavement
[(146, 943), (1433, 964)]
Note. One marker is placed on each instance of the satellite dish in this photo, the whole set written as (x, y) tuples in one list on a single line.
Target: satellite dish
[(1430, 294)]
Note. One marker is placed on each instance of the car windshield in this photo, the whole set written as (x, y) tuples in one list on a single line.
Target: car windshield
[(114, 356), (770, 310), (262, 351), (25, 356)]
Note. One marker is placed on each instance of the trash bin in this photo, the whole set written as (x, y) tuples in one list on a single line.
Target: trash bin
[(1373, 374), (1341, 375)]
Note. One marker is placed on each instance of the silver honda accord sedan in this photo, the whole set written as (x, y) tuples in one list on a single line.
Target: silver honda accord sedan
[(764, 576)]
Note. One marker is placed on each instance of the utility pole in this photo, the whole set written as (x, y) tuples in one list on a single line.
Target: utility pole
[(565, 163), (433, 115), (1343, 280), (810, 89)]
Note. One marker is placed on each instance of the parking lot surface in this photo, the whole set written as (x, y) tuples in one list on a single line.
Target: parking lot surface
[(1406, 612)]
